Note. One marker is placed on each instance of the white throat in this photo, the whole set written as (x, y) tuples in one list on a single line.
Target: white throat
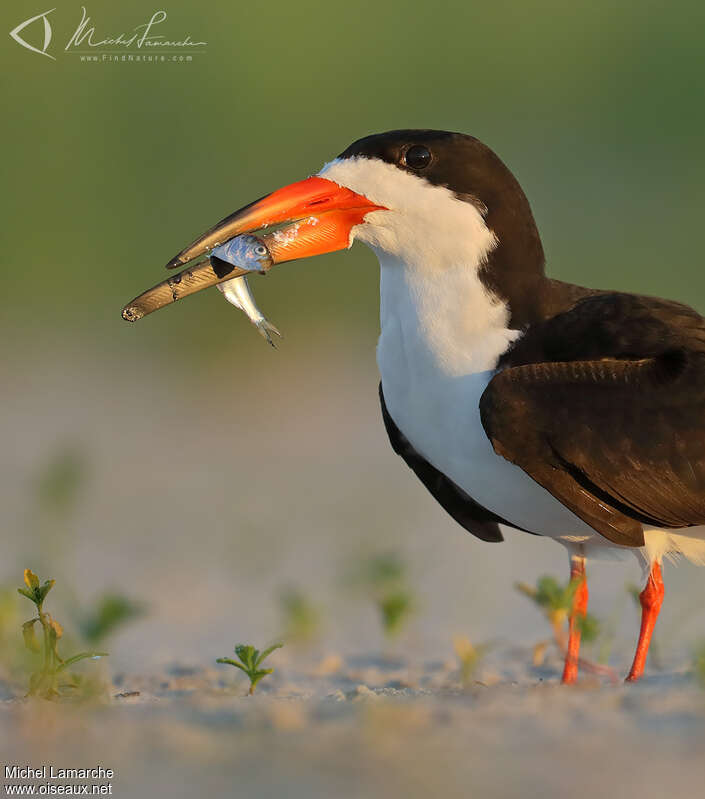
[(435, 312), (449, 323)]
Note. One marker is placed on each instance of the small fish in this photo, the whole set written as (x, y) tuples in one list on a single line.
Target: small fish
[(245, 252), (237, 293), (238, 257)]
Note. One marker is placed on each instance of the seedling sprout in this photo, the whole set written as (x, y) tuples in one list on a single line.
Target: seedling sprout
[(45, 682), (113, 611), (470, 657), (249, 660), (302, 619), (385, 576), (555, 601)]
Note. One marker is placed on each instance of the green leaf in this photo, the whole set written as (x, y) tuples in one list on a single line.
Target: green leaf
[(56, 629), (81, 656), (384, 569), (44, 590), (589, 627), (268, 651), (257, 676), (113, 610), (395, 607), (549, 593), (31, 580), (247, 654), (34, 681), (34, 591), (302, 619), (30, 639), (232, 662)]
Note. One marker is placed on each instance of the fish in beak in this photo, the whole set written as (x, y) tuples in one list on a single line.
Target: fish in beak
[(311, 217), (237, 292)]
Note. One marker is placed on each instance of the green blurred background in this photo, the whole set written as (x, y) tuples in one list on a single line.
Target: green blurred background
[(212, 459), (110, 169)]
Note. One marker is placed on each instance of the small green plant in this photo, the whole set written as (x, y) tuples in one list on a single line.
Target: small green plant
[(395, 608), (9, 610), (386, 578), (249, 661), (46, 681), (112, 611), (556, 601), (590, 628), (15, 660), (302, 619), (470, 657)]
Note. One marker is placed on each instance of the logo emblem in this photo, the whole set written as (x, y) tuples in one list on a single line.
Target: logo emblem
[(47, 34)]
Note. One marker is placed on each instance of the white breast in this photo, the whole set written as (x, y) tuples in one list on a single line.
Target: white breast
[(435, 363)]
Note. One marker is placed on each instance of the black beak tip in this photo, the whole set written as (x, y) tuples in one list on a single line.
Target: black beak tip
[(175, 262)]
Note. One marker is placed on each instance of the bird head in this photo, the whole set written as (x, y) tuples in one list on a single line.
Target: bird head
[(422, 198)]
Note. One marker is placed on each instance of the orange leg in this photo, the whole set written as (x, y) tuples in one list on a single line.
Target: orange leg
[(578, 611), (651, 599)]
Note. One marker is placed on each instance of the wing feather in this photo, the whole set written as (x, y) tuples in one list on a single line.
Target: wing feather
[(604, 406)]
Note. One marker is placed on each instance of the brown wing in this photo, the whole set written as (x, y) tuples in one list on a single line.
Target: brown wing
[(604, 406)]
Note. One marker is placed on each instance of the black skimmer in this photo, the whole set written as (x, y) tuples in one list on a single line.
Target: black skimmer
[(518, 400)]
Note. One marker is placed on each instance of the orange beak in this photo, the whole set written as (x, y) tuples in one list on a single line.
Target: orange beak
[(313, 216), (319, 214)]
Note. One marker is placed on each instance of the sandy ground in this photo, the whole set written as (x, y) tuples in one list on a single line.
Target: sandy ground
[(376, 726), (206, 521)]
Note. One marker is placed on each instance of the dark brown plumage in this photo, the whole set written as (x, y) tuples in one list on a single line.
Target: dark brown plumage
[(604, 406)]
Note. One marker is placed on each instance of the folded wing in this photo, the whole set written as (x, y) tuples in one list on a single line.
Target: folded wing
[(604, 406)]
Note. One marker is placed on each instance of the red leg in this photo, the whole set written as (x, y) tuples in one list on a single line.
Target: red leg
[(651, 599), (578, 611)]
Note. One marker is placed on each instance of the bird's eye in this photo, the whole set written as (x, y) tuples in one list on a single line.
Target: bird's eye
[(417, 157)]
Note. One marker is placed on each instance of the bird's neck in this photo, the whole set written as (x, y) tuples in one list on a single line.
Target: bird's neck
[(446, 323)]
